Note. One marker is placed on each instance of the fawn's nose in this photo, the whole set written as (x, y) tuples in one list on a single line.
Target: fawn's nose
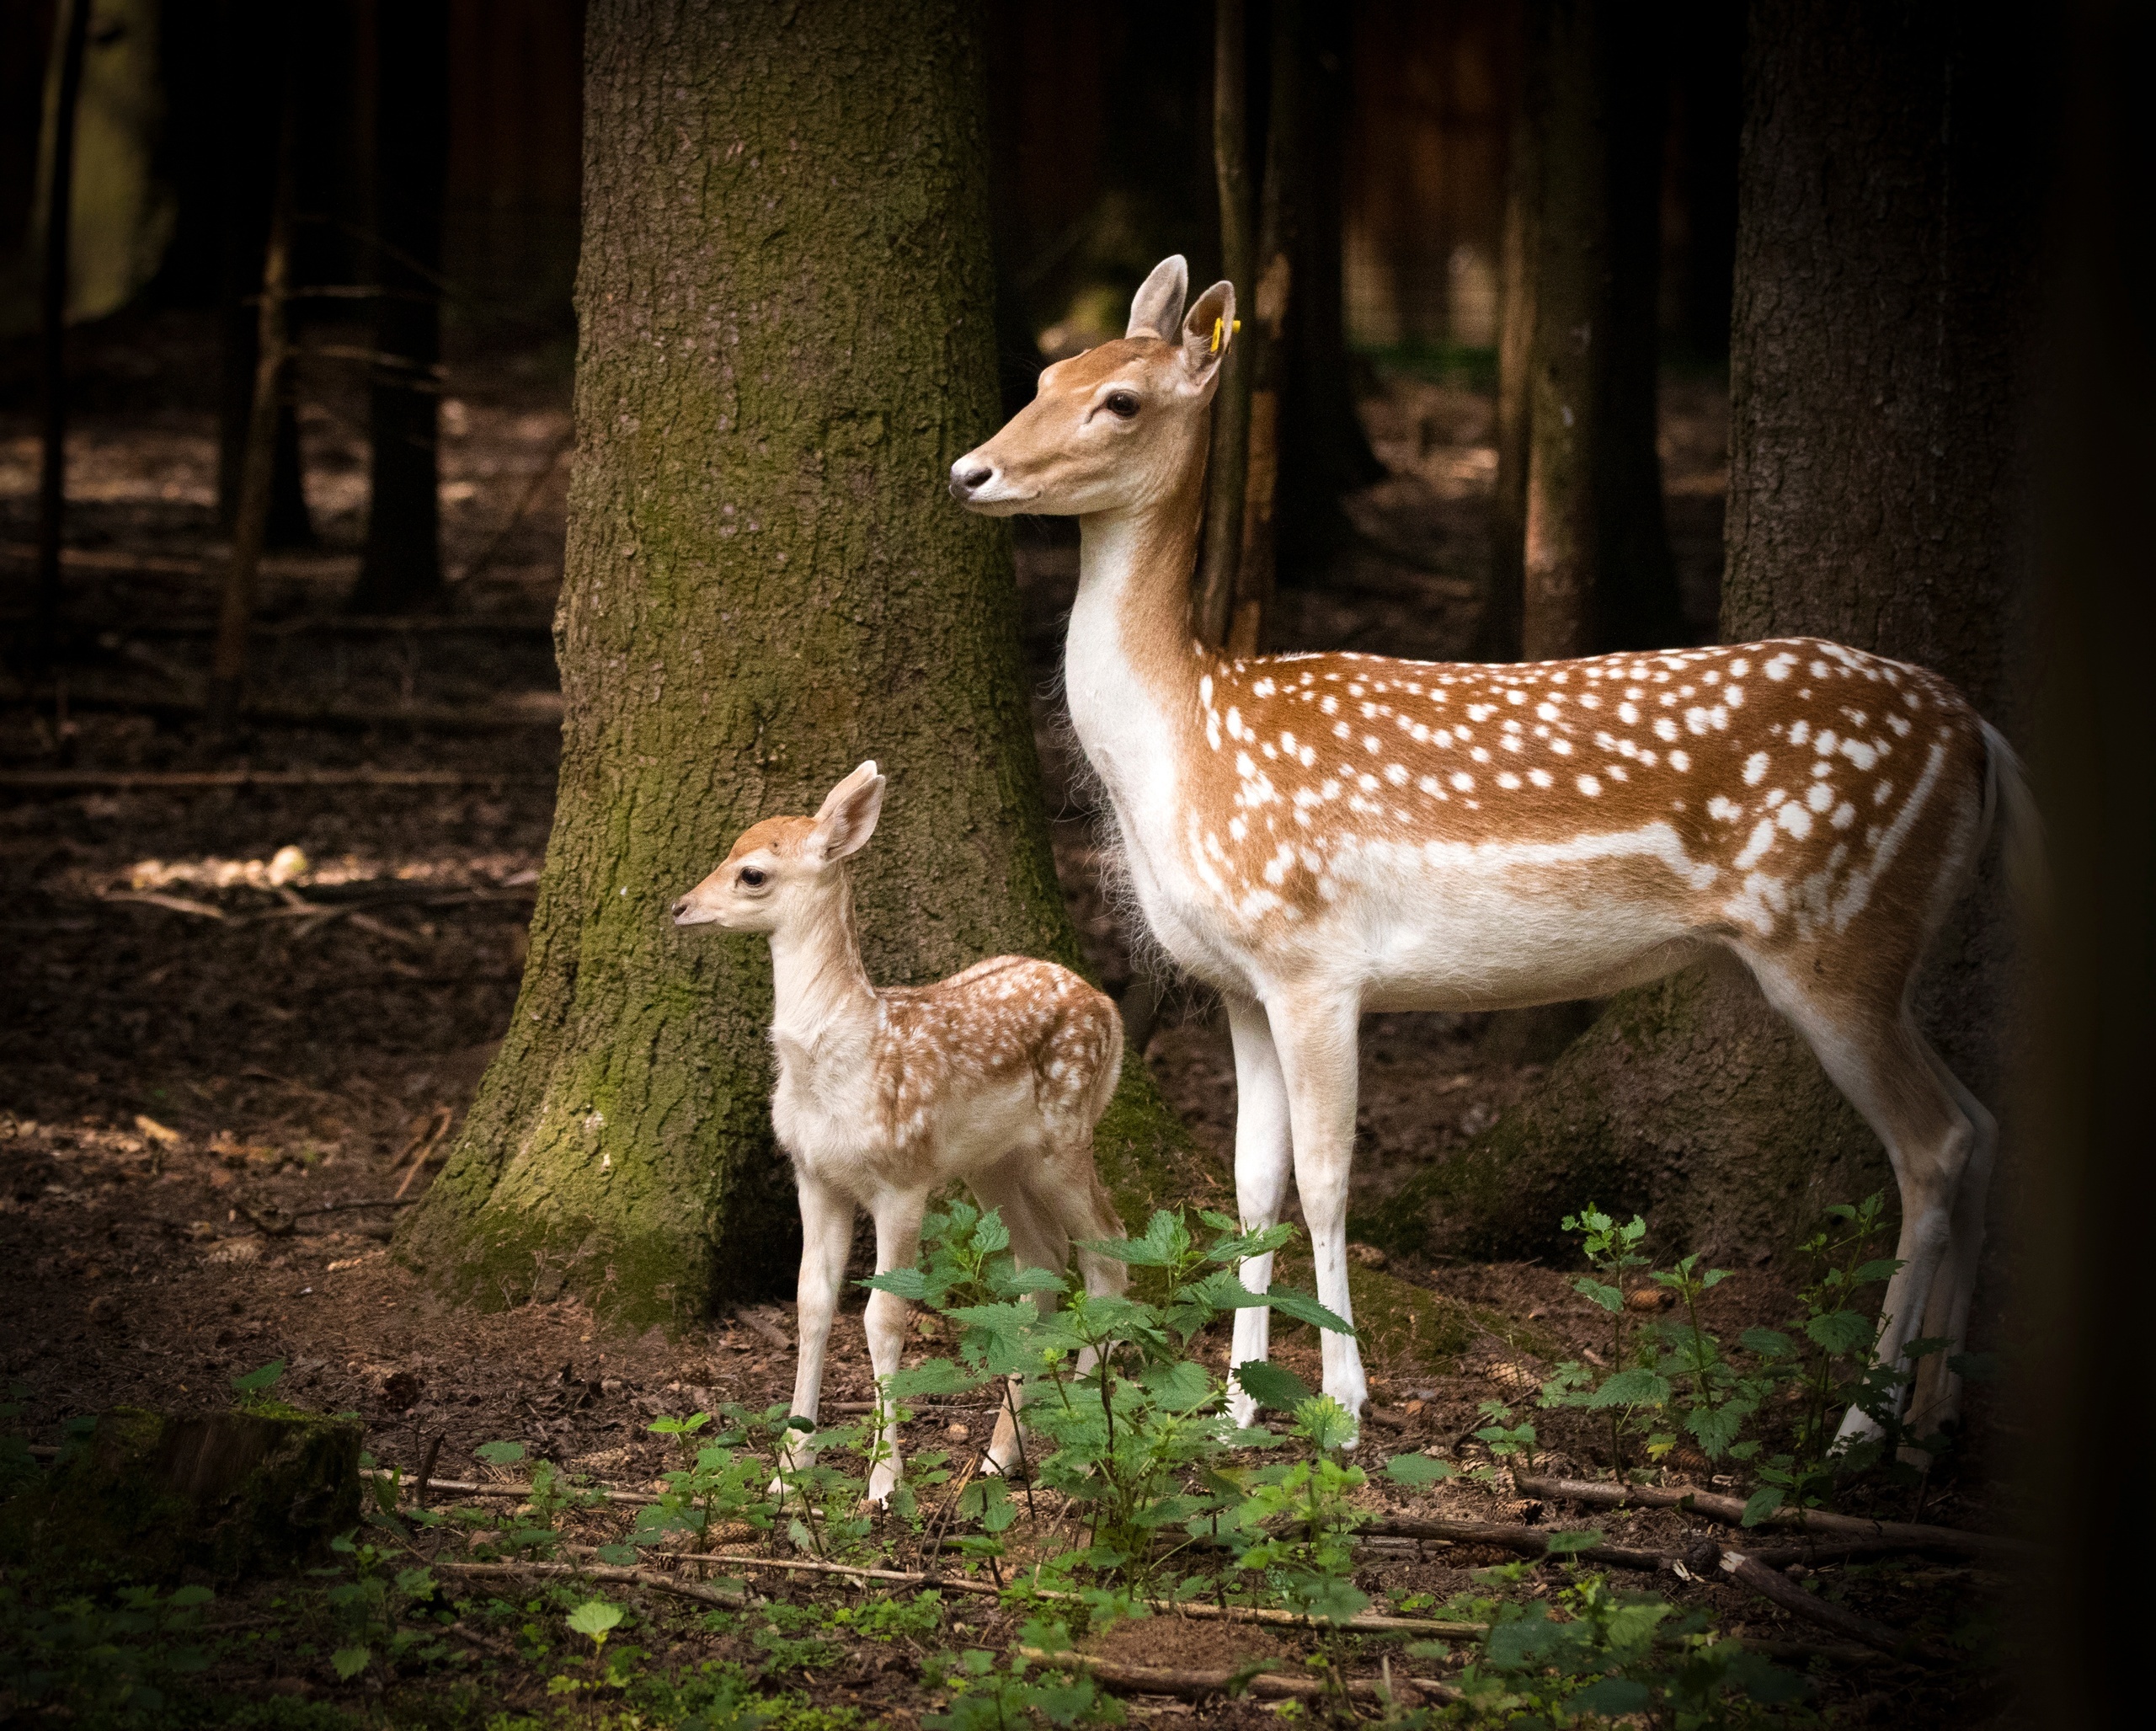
[(680, 910), (968, 475)]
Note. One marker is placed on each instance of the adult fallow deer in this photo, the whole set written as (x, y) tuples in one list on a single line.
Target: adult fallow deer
[(1319, 835)]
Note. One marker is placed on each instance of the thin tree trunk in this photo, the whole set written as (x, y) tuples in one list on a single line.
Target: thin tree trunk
[(72, 34), (252, 36), (1228, 463), (1595, 552), (765, 584), (1324, 449), (228, 657), (401, 568), (1498, 636), (1266, 331), (1887, 233)]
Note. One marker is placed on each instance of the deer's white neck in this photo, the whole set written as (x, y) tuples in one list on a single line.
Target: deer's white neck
[(1130, 666), (819, 984)]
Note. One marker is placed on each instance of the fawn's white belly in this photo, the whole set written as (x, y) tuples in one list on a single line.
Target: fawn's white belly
[(831, 1120)]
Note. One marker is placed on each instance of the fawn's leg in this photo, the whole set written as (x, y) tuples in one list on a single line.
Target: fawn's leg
[(898, 1240), (1316, 1039), (1263, 1160), (826, 1234)]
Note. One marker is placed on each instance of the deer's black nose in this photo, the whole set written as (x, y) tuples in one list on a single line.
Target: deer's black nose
[(968, 479), (681, 907)]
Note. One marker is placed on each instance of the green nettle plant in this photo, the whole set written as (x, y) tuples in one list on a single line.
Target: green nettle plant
[(1672, 1377), (1134, 1429)]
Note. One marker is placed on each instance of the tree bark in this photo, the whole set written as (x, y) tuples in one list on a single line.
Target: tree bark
[(1324, 450), (1594, 548), (788, 335), (72, 29), (1227, 465), (252, 39), (1886, 231), (401, 566), (1497, 638), (1266, 331)]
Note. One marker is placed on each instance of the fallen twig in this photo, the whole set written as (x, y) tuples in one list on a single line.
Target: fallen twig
[(1202, 1686), (600, 1571), (1730, 1510), (1784, 1592), (760, 1327), (521, 1492), (1527, 1541)]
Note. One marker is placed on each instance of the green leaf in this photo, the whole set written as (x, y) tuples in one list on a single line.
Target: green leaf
[(1767, 1343), (415, 1582), (1841, 1332), (906, 1283), (500, 1454), (1715, 1428), (1570, 1544), (1416, 1471), (1613, 1698), (255, 1382), (936, 1377), (617, 1556), (349, 1661), (1179, 1387), (182, 1597), (1608, 1297), (1976, 1366), (1303, 1308), (1270, 1386), (1763, 1502), (1883, 1268), (1631, 1388), (595, 1618)]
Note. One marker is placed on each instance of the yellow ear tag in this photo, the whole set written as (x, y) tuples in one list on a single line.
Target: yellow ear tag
[(1238, 325)]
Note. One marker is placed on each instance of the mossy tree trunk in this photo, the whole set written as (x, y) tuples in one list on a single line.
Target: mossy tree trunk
[(788, 335), (1886, 233)]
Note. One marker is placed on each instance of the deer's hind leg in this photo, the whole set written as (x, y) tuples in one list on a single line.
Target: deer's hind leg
[(1937, 1137)]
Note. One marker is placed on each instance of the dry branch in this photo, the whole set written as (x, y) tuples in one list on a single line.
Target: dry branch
[(1527, 1541), (599, 1572), (1203, 1686), (1750, 1572), (1730, 1510), (521, 1493)]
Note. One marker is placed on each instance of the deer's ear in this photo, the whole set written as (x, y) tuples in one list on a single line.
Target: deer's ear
[(1207, 331), (847, 818), (1158, 304)]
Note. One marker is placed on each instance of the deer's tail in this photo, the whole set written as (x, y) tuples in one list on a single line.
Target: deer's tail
[(2011, 807)]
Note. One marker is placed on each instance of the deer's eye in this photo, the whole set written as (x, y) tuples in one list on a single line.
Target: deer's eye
[(751, 877), (1122, 404)]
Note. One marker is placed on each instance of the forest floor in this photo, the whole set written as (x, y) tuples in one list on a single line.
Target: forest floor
[(242, 1021)]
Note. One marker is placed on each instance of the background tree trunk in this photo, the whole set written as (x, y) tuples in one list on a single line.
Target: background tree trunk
[(253, 37), (1594, 548), (1324, 450), (1220, 549), (1883, 278), (788, 334), (401, 566)]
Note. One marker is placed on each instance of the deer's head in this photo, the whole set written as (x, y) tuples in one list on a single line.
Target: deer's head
[(1118, 427), (784, 868)]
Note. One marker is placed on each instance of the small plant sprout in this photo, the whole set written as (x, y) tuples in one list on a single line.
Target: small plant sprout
[(596, 1620), (253, 1390)]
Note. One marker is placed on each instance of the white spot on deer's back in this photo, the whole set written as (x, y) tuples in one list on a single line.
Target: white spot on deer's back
[(1755, 769)]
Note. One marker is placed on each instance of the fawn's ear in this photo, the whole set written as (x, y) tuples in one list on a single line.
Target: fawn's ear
[(847, 817), (1207, 331), (1156, 307)]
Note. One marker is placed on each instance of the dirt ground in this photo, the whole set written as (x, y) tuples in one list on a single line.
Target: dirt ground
[(240, 1023)]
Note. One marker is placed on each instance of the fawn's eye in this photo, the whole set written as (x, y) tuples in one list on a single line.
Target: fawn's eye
[(1122, 404), (751, 876)]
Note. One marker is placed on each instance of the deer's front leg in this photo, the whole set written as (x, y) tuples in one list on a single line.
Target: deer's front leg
[(1262, 1162), (826, 1235), (1316, 1040), (897, 1240)]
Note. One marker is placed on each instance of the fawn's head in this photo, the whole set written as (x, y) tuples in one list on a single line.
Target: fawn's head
[(785, 866), (1119, 427)]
